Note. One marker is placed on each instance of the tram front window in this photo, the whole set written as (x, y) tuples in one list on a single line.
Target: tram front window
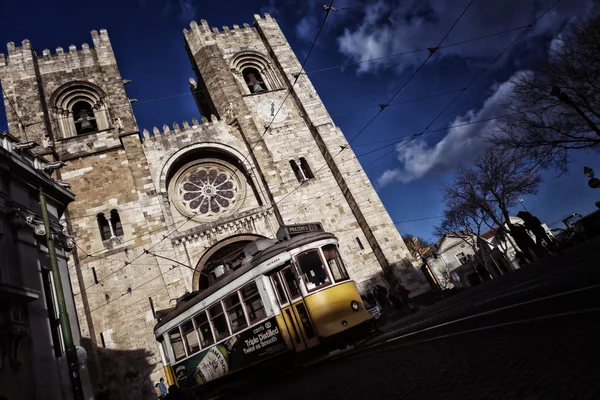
[(235, 313), (253, 303), (335, 263), (291, 283), (177, 344), (219, 323), (312, 269), (206, 336), (190, 338)]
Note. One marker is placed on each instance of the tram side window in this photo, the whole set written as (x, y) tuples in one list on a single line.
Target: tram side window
[(253, 303), (217, 317), (335, 263), (177, 344), (235, 312), (206, 336), (190, 338), (312, 269)]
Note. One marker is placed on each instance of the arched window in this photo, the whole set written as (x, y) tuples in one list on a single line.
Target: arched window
[(115, 222), (104, 226), (305, 168), (79, 108), (254, 80), (84, 118)]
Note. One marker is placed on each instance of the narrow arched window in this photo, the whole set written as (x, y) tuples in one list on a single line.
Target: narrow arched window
[(297, 171), (104, 226), (115, 222), (254, 81), (305, 168), (84, 118)]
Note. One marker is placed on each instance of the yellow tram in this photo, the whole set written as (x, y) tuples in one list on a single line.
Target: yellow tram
[(288, 295)]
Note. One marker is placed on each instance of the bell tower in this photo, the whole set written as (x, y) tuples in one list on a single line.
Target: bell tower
[(250, 77), (55, 97)]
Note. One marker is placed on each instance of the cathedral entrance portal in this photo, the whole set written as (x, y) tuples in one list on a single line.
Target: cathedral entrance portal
[(219, 260)]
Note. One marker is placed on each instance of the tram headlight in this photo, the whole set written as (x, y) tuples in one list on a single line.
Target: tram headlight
[(354, 304)]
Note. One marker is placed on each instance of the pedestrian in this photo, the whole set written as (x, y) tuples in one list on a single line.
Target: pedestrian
[(403, 294), (162, 387), (158, 392), (535, 226), (525, 242), (521, 260), (175, 393)]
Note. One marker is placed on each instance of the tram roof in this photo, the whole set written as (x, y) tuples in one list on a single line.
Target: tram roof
[(257, 259)]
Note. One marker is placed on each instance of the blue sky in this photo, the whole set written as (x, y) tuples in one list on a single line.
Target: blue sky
[(148, 42)]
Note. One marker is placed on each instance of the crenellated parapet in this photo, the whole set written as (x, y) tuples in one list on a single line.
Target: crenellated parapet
[(20, 58), (200, 35), (184, 127)]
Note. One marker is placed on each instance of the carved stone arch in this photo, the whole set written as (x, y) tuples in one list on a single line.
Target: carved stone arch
[(254, 59), (212, 257), (64, 99)]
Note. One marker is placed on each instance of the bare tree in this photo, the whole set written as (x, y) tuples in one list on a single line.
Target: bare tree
[(492, 186), (416, 244), (558, 109)]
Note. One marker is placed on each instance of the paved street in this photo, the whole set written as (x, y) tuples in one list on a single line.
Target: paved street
[(534, 334), (547, 349)]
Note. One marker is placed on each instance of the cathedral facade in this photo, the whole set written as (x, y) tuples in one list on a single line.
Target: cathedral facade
[(166, 211)]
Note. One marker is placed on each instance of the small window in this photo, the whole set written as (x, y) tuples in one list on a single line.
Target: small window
[(235, 313), (279, 289), (360, 245), (177, 344), (290, 282), (254, 80), (217, 317), (312, 269), (253, 303), (104, 227), (115, 222), (297, 171), (335, 263), (206, 336), (83, 116), (462, 258), (305, 168), (190, 337)]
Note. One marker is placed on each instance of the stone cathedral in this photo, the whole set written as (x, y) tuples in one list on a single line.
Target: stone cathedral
[(158, 212)]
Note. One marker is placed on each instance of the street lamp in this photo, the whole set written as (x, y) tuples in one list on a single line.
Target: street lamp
[(594, 183)]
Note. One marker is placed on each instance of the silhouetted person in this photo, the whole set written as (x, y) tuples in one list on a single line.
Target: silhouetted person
[(403, 294), (525, 243), (175, 393), (381, 295), (535, 226)]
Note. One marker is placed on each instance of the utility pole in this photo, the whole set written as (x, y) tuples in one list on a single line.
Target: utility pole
[(63, 316)]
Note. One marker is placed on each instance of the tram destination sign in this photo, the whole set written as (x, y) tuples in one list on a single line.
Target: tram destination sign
[(249, 347), (298, 229)]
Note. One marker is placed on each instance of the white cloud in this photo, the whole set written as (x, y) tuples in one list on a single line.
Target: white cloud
[(187, 10), (395, 26), (460, 145), (305, 29)]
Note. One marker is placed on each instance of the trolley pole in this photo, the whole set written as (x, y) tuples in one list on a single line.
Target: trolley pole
[(63, 316)]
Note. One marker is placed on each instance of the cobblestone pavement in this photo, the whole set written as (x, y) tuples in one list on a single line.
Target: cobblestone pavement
[(525, 353)]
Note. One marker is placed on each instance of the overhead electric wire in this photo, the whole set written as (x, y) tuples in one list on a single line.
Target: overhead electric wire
[(408, 139), (384, 106)]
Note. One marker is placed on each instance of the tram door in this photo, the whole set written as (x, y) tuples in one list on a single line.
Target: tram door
[(294, 309)]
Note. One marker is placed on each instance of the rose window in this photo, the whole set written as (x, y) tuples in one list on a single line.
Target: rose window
[(208, 190)]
